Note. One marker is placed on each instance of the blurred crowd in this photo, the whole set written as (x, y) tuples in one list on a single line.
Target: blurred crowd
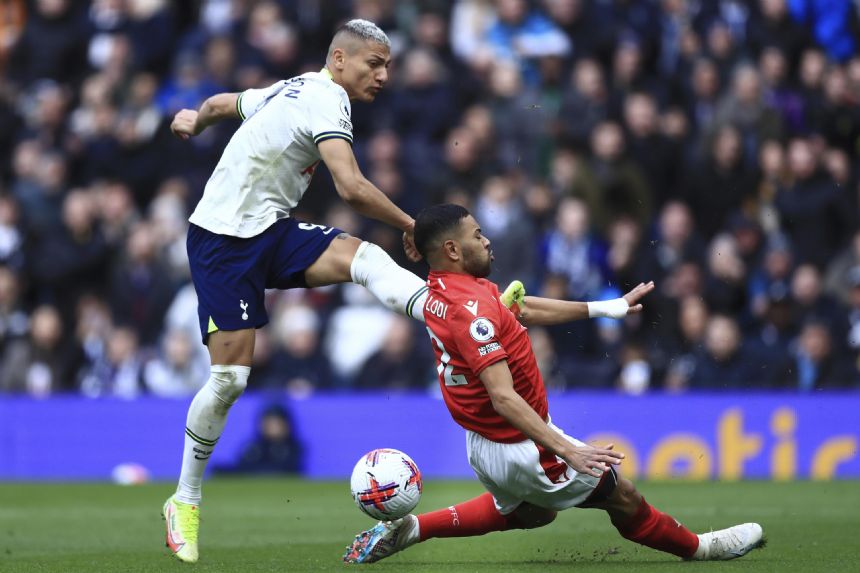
[(708, 145)]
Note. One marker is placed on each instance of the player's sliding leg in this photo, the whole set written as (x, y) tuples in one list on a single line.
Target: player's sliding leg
[(641, 523), (475, 517), (206, 418)]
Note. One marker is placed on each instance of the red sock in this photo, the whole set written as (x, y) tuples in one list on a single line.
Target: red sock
[(658, 530), (474, 517)]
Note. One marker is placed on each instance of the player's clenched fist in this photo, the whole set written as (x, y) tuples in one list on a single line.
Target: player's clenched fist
[(592, 461), (184, 124)]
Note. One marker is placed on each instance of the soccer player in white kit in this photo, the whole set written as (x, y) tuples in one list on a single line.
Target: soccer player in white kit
[(242, 240)]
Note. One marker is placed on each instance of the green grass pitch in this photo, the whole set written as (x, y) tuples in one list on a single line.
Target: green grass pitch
[(292, 525)]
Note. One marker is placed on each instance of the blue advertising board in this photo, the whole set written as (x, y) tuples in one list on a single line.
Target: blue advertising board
[(721, 436)]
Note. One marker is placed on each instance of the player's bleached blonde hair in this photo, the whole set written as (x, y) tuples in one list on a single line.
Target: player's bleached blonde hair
[(361, 30)]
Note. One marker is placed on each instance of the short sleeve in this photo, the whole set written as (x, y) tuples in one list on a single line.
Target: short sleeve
[(476, 330), (330, 117), (252, 100)]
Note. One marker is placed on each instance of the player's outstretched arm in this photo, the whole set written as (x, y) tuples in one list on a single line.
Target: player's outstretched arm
[(361, 194), (511, 406), (188, 122), (537, 311)]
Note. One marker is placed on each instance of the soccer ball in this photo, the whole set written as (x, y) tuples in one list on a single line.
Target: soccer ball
[(386, 484)]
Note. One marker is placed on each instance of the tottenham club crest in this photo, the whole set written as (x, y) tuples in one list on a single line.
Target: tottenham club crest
[(482, 329)]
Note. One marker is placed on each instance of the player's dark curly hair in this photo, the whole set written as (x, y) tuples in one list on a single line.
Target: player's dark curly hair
[(434, 223)]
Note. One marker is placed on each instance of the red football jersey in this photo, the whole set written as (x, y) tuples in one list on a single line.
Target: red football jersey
[(471, 329)]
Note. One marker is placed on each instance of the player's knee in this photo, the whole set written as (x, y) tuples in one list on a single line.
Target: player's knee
[(228, 382), (528, 516)]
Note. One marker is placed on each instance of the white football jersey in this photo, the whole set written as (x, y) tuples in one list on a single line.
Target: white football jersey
[(268, 163)]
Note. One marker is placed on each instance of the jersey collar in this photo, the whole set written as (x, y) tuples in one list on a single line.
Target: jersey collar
[(325, 71), (437, 274)]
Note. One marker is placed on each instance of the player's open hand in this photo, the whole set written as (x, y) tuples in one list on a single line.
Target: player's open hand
[(636, 294), (409, 247), (592, 461), (184, 124)]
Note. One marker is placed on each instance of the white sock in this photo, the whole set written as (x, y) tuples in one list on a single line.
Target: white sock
[(394, 286), (206, 418), (411, 532)]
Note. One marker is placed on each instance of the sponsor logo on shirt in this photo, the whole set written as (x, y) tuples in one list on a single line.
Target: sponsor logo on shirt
[(488, 348), (481, 329), (345, 125)]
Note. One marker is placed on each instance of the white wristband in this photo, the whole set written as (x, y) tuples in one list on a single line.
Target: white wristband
[(615, 308)]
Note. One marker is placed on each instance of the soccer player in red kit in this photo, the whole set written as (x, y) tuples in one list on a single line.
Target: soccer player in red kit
[(492, 387)]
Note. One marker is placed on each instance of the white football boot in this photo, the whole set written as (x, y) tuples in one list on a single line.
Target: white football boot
[(729, 543)]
